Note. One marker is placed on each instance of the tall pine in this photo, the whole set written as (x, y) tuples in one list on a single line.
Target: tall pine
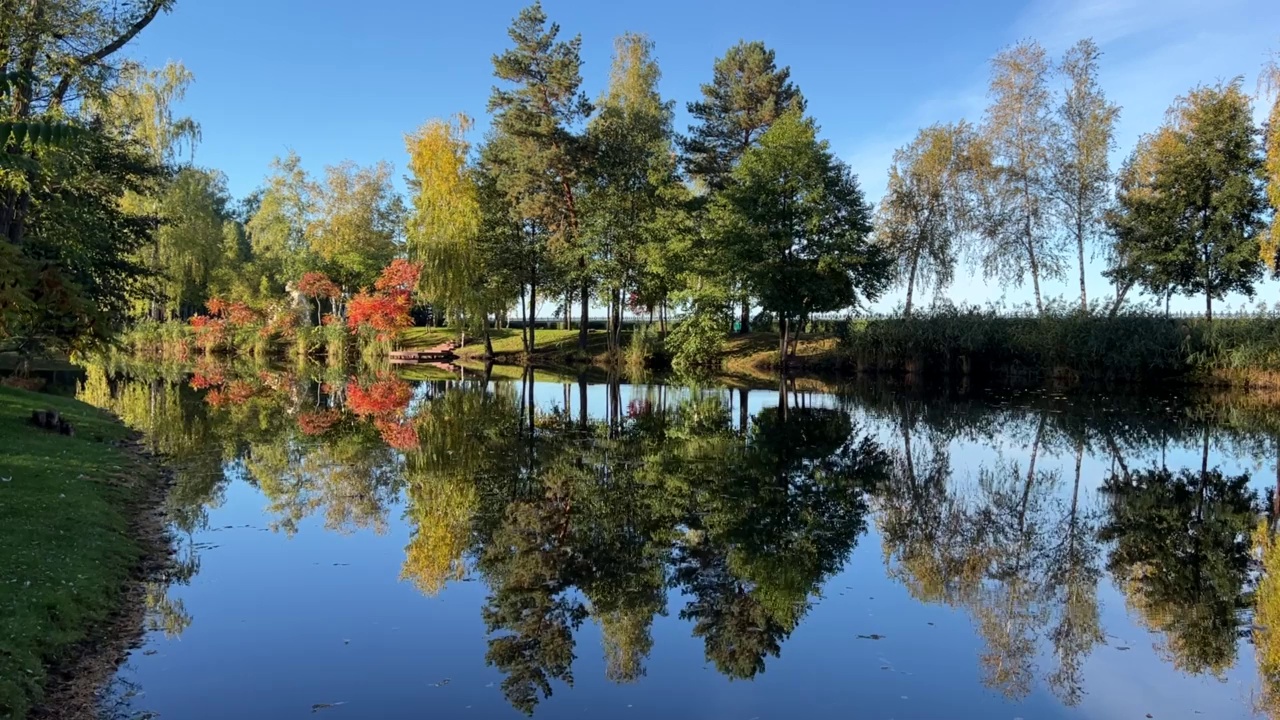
[(542, 157)]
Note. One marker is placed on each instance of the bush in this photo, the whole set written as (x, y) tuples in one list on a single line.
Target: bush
[(697, 340), (645, 345)]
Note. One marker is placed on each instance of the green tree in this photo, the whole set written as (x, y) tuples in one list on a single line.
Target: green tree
[(357, 224), (190, 245), (277, 225), (520, 245), (1019, 134), (747, 93), (925, 210), (541, 160), (66, 264), (1190, 214), (634, 171), (795, 223), (1081, 173)]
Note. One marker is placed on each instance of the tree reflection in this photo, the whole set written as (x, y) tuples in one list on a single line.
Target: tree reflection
[(569, 515), (1182, 557)]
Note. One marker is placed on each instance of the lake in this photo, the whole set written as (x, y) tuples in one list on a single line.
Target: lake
[(456, 546)]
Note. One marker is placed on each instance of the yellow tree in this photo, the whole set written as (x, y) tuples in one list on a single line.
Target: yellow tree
[(1271, 240), (443, 227)]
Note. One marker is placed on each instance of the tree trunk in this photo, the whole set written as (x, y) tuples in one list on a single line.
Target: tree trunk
[(1084, 296), (1208, 306), (911, 283), (783, 328), (1121, 291), (488, 340), (745, 320), (586, 304), (1035, 273), (744, 415)]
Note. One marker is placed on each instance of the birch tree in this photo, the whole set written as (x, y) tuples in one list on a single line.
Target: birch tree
[(1020, 133), (1081, 179)]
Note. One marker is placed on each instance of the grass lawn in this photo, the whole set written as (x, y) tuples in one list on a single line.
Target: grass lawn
[(66, 556), (506, 342)]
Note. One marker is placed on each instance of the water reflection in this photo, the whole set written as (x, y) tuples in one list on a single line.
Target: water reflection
[(576, 503)]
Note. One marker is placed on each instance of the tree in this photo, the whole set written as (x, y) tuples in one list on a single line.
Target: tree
[(54, 51), (1081, 174), (925, 210), (747, 93), (633, 173), (520, 245), (444, 229), (1271, 242), (794, 220), (66, 262), (1018, 136), (278, 224), (1191, 207), (358, 220), (541, 159), (187, 247)]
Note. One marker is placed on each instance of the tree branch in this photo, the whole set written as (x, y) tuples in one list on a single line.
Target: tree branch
[(102, 53)]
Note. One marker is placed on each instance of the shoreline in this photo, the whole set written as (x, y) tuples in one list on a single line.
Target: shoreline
[(78, 635)]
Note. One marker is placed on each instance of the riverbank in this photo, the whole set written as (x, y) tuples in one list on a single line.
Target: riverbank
[(80, 530)]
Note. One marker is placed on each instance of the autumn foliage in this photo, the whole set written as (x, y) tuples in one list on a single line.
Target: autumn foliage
[(387, 309)]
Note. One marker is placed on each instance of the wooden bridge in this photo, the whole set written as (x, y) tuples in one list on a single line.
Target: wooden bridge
[(433, 354)]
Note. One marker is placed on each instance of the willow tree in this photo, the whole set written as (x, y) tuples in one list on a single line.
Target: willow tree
[(1081, 172), (926, 208), (1019, 134), (631, 141), (541, 159), (443, 229)]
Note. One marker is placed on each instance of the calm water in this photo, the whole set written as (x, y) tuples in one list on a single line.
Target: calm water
[(382, 548)]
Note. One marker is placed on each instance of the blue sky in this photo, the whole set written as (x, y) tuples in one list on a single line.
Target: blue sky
[(336, 81)]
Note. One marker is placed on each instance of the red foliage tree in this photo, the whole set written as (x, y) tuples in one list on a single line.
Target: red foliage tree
[(401, 276)]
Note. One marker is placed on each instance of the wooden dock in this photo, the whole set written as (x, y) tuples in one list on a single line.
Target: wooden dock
[(433, 354)]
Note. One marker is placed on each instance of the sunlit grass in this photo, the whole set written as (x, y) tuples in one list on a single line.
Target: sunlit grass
[(65, 550)]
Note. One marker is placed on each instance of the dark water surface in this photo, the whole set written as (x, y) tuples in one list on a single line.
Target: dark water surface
[(381, 548)]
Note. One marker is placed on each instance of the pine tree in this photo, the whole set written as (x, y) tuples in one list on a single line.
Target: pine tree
[(542, 158)]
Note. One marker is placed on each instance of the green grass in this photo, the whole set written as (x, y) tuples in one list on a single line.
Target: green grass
[(65, 550), (507, 342)]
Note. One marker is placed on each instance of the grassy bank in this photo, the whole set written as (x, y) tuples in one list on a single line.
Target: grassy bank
[(552, 346), (68, 540)]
